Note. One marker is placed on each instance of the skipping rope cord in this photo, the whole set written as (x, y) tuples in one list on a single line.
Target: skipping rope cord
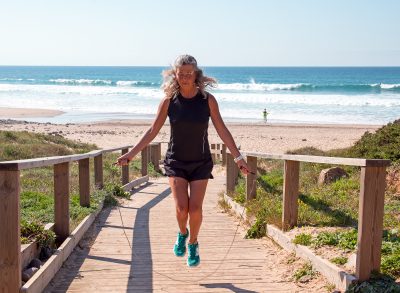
[(184, 281)]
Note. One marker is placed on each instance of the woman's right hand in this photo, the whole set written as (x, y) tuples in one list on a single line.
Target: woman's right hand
[(124, 160)]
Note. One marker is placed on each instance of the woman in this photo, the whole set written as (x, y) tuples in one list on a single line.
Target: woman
[(188, 160)]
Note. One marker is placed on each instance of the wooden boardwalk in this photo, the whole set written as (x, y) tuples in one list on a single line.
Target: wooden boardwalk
[(129, 249)]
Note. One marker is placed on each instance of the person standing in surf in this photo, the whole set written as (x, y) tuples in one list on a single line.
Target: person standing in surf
[(188, 162)]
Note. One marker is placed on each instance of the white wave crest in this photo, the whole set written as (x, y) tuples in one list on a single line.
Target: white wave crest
[(258, 86), (80, 81), (389, 86)]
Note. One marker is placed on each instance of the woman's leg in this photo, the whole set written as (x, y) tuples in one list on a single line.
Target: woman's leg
[(179, 187), (197, 192)]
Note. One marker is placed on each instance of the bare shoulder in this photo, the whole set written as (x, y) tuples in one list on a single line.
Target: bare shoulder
[(165, 102), (212, 101)]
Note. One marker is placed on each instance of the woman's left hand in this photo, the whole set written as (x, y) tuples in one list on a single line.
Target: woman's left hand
[(244, 168)]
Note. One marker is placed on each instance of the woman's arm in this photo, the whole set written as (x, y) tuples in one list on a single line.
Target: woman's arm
[(224, 133), (149, 135)]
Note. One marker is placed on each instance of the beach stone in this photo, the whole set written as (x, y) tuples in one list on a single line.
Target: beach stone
[(36, 263), (331, 174), (25, 277), (28, 273), (351, 262), (305, 279), (45, 253)]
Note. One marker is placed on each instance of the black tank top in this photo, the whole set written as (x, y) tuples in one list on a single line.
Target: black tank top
[(189, 128)]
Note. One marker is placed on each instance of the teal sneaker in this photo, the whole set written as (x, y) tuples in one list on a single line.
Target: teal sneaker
[(180, 244), (193, 257)]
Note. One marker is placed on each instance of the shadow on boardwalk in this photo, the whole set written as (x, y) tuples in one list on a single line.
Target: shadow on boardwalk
[(141, 273), (141, 266)]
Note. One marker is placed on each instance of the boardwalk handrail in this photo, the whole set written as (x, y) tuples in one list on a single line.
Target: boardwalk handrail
[(10, 172), (371, 205), (322, 160)]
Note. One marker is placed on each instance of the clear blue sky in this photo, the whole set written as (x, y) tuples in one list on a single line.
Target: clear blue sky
[(217, 33)]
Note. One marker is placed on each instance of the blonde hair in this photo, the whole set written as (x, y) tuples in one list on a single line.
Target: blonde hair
[(171, 86)]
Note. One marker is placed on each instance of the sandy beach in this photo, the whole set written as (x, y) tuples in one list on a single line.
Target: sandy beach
[(269, 138), (27, 113)]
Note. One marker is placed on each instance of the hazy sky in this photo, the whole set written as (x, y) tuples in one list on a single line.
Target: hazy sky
[(216, 32)]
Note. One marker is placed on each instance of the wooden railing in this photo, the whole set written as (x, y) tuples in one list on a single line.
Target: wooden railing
[(10, 172), (371, 204)]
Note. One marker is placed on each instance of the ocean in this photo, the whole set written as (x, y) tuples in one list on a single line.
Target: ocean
[(334, 95)]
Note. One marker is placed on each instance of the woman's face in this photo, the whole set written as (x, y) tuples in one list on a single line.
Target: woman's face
[(186, 75)]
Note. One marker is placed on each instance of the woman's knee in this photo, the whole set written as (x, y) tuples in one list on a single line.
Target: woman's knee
[(195, 209), (182, 210)]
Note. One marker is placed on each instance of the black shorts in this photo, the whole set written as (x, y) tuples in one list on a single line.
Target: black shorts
[(191, 171)]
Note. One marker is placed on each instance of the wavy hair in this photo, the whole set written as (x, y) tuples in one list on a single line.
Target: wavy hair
[(170, 84)]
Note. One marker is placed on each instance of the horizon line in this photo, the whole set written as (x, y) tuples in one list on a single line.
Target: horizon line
[(272, 66)]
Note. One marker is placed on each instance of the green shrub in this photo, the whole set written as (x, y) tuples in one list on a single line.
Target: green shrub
[(303, 239), (340, 260), (377, 283), (326, 238), (305, 270), (34, 231), (16, 145), (383, 144), (348, 239)]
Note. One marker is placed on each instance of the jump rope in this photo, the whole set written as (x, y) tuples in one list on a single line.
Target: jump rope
[(209, 274)]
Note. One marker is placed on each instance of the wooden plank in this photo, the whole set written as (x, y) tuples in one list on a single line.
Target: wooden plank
[(84, 183), (61, 201), (322, 160), (370, 221), (125, 170), (98, 171), (110, 150), (136, 182), (28, 252), (44, 161), (10, 243), (232, 172), (42, 277), (333, 273), (251, 186), (145, 160), (132, 251), (290, 194)]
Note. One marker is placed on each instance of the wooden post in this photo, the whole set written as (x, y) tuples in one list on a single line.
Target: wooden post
[(145, 154), (251, 186), (218, 148), (154, 157), (370, 221), (158, 155), (223, 155), (10, 243), (213, 156), (232, 172), (125, 170), (84, 182), (98, 171), (61, 201), (290, 194)]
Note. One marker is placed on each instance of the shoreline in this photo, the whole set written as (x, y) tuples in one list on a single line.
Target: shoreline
[(255, 137), (8, 112)]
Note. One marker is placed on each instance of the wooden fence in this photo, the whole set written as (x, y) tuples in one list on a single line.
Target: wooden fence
[(10, 243), (372, 191)]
